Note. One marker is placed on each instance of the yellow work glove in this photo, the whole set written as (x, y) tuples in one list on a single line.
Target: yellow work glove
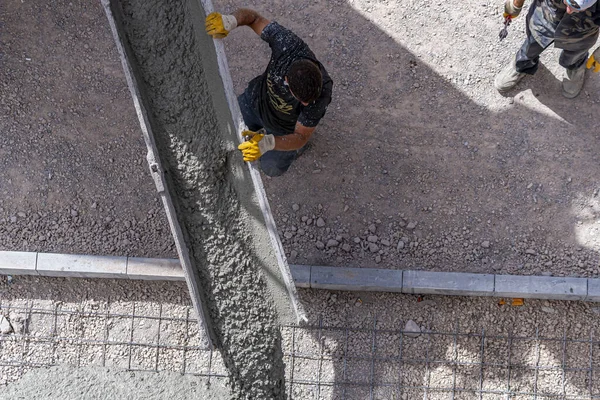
[(218, 26), (593, 62), (258, 145), (510, 10)]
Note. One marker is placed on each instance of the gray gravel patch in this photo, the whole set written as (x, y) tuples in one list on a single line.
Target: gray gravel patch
[(74, 177), (89, 383)]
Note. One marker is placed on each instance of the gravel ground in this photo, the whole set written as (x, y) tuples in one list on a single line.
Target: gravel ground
[(339, 345), (74, 176), (419, 162), (521, 195)]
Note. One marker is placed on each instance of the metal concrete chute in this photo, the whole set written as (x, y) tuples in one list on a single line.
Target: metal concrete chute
[(202, 238), (157, 173)]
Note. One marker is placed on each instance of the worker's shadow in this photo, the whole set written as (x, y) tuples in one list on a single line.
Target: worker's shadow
[(578, 111), (400, 139)]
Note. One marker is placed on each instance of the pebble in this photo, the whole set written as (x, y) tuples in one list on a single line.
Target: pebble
[(21, 214), (400, 245), (13, 219), (373, 248), (485, 244), (288, 235), (295, 207), (372, 228), (378, 259), (346, 247), (411, 226), (332, 243), (320, 222), (5, 326), (411, 329), (320, 245), (293, 254), (530, 251), (74, 213), (357, 240), (548, 310), (17, 321), (372, 238), (385, 242)]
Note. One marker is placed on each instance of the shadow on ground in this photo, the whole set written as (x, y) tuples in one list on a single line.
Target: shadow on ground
[(403, 143), (416, 133)]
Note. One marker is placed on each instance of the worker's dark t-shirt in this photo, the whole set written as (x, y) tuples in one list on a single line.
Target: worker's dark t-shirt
[(270, 95)]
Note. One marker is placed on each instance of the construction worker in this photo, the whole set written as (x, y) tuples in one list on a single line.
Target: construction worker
[(573, 27), (288, 100)]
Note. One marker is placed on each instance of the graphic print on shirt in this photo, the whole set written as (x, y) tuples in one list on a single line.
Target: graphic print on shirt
[(276, 101)]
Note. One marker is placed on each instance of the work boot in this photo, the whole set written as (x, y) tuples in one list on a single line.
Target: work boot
[(508, 78), (573, 82)]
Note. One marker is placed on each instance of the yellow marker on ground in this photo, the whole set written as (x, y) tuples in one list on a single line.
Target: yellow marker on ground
[(517, 302)]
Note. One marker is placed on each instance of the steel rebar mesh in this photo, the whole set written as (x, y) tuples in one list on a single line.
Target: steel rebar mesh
[(322, 362)]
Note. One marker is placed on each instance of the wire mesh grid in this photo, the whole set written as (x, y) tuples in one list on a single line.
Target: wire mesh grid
[(322, 362)]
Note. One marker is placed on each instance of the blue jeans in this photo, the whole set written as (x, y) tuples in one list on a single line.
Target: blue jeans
[(273, 163)]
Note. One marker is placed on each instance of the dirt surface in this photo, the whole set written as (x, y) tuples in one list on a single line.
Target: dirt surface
[(74, 176), (352, 346), (419, 162)]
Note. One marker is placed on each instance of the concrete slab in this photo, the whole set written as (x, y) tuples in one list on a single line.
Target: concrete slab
[(81, 266), (356, 279), (447, 283), (301, 275), (18, 263), (154, 269), (541, 287), (593, 292)]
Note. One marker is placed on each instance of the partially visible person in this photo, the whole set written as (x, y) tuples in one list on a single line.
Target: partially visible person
[(287, 101), (572, 25)]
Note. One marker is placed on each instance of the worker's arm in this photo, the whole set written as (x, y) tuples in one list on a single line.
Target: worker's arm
[(513, 8), (296, 140), (260, 143), (247, 17), (219, 25)]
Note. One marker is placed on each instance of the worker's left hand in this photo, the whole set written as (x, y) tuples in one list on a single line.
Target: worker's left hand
[(218, 25), (258, 145)]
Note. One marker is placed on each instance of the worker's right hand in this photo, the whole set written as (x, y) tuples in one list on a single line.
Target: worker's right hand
[(510, 10), (218, 25)]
